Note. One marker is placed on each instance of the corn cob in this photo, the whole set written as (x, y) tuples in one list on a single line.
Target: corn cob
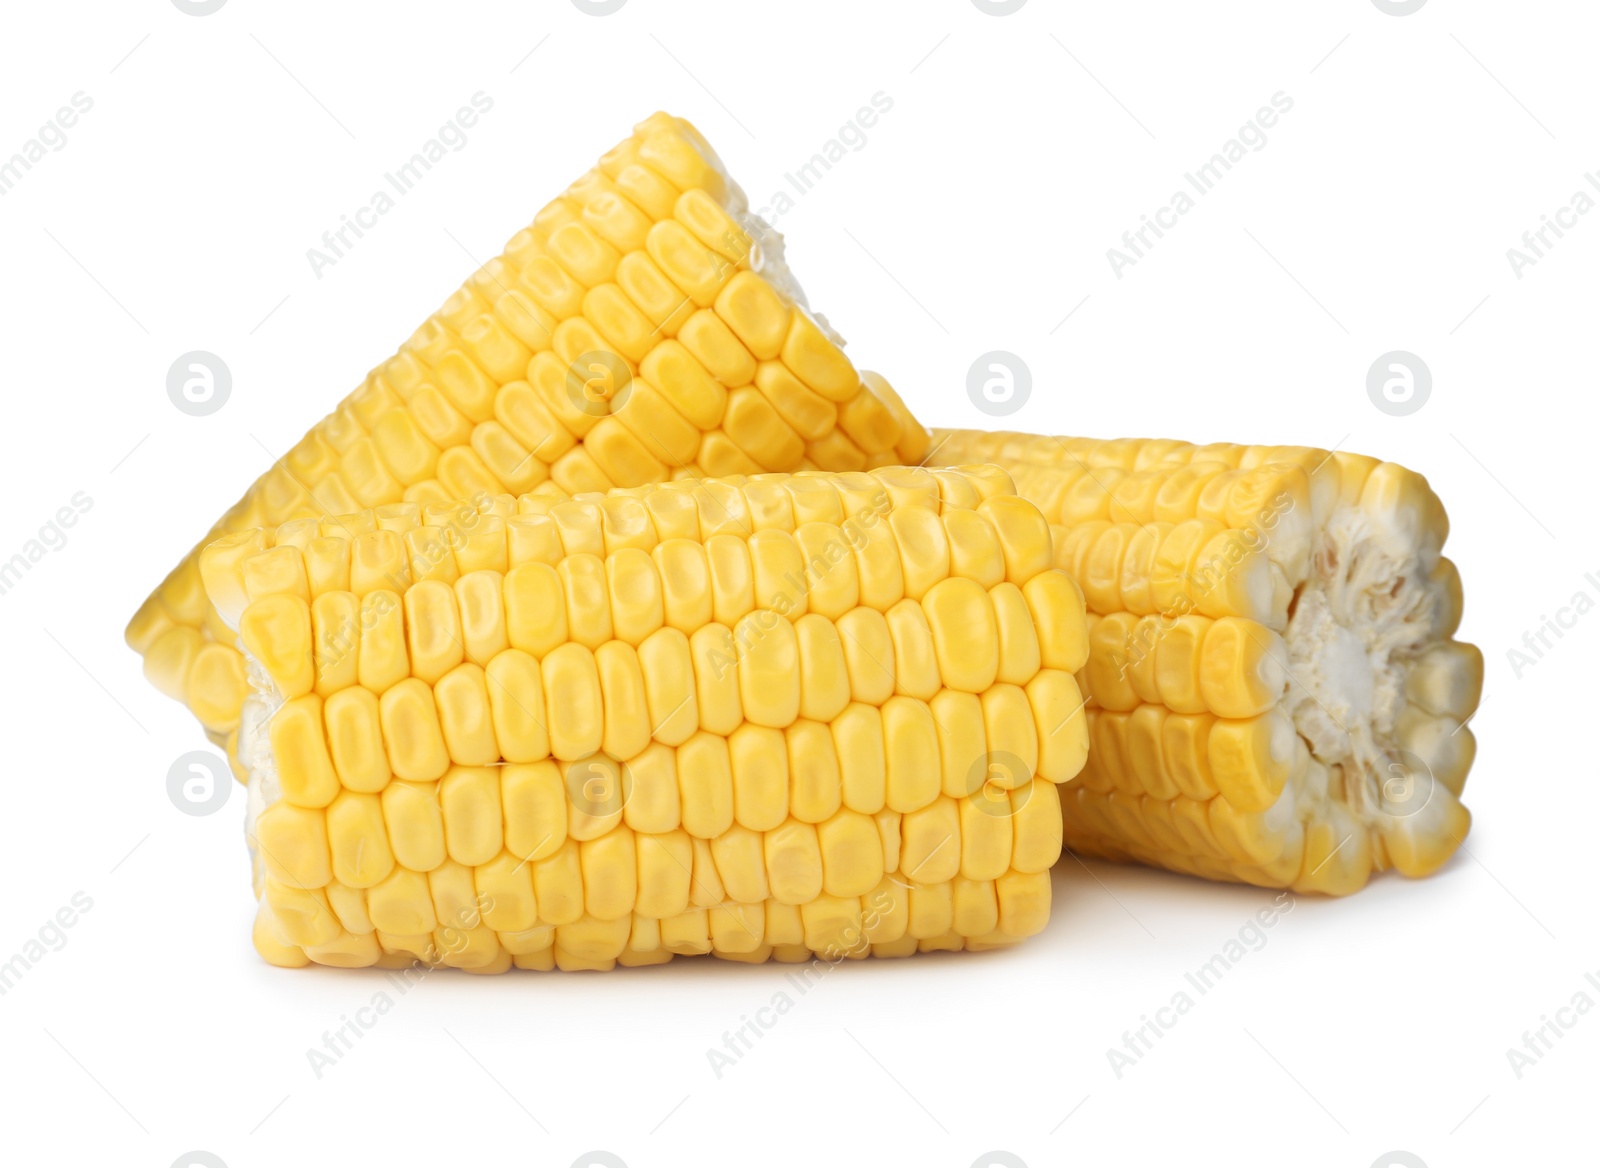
[(764, 717), (644, 326), (1274, 692)]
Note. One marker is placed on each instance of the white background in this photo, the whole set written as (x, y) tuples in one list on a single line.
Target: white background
[(977, 217)]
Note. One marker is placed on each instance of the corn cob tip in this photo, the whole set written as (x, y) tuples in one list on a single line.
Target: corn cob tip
[(1274, 692)]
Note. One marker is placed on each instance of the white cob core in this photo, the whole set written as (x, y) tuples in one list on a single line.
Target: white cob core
[(1356, 627)]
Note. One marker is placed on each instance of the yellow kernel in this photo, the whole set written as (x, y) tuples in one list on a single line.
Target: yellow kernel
[(863, 766), (533, 804), (276, 631), (911, 753), (357, 840), (574, 710), (705, 785), (760, 763), (306, 774), (769, 669), (355, 739), (411, 731), (462, 696), (667, 665), (517, 707), (415, 824), (794, 862)]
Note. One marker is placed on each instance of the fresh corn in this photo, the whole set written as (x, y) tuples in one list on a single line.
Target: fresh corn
[(1274, 692), (645, 326), (767, 717)]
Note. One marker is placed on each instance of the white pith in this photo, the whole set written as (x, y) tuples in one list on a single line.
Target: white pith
[(1356, 627)]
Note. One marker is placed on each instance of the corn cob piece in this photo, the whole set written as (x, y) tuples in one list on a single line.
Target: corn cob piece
[(645, 326), (767, 717), (1274, 692)]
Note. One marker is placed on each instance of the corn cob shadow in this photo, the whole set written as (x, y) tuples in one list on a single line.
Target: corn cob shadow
[(645, 326), (1274, 694), (765, 718)]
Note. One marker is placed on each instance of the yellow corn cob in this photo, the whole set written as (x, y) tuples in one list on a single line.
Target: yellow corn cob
[(763, 717), (1274, 694), (645, 326)]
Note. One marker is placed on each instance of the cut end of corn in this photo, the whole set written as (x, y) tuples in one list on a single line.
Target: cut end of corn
[(780, 717), (645, 326), (1274, 694)]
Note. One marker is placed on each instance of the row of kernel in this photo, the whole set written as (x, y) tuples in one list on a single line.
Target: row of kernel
[(1232, 667), (639, 518), (1128, 455), (1193, 566), (878, 563), (702, 624), (1195, 836), (1153, 751), (534, 823), (1011, 905), (1206, 490), (1207, 832), (1016, 906), (525, 640), (866, 698), (820, 567)]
